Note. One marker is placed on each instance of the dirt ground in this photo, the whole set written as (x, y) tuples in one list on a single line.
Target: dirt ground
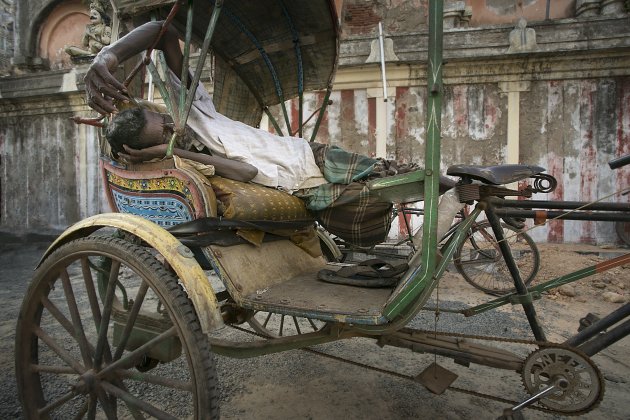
[(304, 385)]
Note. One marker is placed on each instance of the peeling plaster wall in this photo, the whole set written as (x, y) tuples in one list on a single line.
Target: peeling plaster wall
[(571, 127), (49, 172), (574, 116), (574, 128)]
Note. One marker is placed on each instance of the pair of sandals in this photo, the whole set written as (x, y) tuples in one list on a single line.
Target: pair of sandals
[(370, 273)]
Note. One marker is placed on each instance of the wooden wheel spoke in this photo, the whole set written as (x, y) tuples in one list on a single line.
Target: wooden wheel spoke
[(58, 402), (108, 404), (79, 333), (155, 380), (62, 370), (83, 410), (131, 320), (107, 311), (64, 355), (131, 358), (297, 326), (91, 292), (56, 313), (136, 402), (91, 415)]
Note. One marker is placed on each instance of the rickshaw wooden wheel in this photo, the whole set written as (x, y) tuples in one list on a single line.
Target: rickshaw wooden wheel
[(131, 349), (479, 260), (274, 325)]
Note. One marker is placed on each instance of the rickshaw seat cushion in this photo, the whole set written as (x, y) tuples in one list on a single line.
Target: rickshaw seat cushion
[(248, 201)]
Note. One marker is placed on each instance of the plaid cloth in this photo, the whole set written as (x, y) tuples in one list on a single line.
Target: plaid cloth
[(345, 206)]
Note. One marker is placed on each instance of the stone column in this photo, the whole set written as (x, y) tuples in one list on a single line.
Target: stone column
[(513, 91), (587, 8), (453, 14), (381, 120), (613, 8)]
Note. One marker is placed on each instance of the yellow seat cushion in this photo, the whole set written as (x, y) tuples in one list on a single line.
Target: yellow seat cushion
[(248, 201)]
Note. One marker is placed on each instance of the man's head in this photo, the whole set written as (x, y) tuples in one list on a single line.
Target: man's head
[(137, 128)]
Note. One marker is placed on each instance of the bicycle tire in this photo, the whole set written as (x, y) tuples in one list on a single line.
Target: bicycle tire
[(479, 260)]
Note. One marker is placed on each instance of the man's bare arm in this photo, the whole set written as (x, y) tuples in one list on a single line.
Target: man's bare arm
[(100, 84), (228, 168)]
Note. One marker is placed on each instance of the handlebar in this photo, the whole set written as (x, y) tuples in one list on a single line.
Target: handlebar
[(619, 162)]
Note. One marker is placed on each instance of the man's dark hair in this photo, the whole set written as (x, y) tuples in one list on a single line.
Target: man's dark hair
[(125, 128)]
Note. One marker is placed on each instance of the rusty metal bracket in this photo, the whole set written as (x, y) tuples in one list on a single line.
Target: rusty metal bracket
[(525, 299)]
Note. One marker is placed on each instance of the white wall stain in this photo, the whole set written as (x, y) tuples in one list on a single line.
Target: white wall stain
[(334, 118), (361, 113), (553, 109)]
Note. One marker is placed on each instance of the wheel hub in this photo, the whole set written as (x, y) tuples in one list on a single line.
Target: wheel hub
[(579, 384), (87, 382)]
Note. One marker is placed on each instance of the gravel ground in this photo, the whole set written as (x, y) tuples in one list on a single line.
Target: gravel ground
[(300, 384)]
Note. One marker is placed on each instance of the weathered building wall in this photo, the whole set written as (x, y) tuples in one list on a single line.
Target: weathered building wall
[(571, 97), (571, 103), (49, 168)]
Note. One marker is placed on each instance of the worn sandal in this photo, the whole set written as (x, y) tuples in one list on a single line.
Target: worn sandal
[(369, 273)]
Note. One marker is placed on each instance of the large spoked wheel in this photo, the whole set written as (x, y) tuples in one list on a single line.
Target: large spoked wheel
[(106, 331), (478, 259), (274, 325)]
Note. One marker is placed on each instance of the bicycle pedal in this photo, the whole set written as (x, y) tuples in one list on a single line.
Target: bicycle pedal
[(436, 378)]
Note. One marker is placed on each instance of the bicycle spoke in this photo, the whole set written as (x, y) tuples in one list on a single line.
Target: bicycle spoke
[(91, 292), (64, 355), (131, 320), (79, 333), (155, 380), (107, 310), (137, 403), (58, 403), (132, 357)]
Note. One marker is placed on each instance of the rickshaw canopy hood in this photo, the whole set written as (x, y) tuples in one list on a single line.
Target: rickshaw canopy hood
[(266, 51)]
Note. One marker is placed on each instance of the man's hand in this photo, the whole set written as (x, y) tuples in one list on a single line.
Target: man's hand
[(142, 155), (101, 86)]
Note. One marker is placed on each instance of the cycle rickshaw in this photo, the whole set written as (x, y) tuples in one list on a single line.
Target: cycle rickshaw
[(120, 316)]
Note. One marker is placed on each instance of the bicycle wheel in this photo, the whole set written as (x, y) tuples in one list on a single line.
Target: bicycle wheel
[(478, 259), (623, 231), (99, 315)]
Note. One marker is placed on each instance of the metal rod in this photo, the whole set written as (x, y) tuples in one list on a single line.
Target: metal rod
[(597, 327), (562, 215), (322, 111), (263, 53), (272, 120), (547, 10), (382, 48), (300, 116), (202, 59), (521, 289), (147, 56), (533, 398), (604, 340), (183, 91), (563, 205), (412, 291), (300, 66)]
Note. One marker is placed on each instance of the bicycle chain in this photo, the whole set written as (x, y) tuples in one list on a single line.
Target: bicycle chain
[(454, 388)]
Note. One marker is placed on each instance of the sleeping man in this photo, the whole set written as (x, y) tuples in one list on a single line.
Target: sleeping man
[(327, 178)]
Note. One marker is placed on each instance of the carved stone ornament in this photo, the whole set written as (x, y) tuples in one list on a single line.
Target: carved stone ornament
[(98, 33), (522, 38)]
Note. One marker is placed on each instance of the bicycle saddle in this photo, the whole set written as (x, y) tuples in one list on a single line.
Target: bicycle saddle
[(497, 175)]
